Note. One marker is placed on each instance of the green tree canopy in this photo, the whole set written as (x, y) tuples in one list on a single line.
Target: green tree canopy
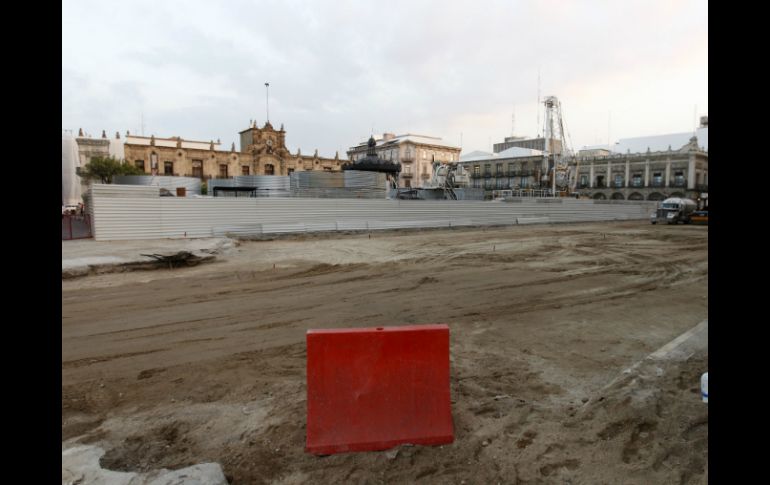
[(104, 168)]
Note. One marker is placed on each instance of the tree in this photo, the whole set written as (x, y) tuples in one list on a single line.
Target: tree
[(105, 168)]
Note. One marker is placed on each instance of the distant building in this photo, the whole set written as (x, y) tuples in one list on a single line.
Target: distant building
[(77, 152), (532, 143), (648, 168), (594, 151), (262, 152), (415, 153), (513, 168)]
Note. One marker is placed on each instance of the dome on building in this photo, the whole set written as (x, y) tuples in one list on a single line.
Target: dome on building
[(372, 163)]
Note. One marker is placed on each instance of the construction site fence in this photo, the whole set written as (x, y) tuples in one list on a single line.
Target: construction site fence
[(75, 227), (136, 212)]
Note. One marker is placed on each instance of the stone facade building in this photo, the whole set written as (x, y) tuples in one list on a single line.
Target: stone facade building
[(652, 175), (262, 152), (415, 153)]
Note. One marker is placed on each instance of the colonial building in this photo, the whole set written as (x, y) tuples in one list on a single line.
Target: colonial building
[(652, 168), (415, 153), (652, 175), (262, 152)]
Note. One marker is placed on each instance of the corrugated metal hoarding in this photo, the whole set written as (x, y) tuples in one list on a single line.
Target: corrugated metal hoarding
[(131, 212), (192, 185)]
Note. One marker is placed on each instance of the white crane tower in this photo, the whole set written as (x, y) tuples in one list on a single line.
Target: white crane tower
[(554, 131)]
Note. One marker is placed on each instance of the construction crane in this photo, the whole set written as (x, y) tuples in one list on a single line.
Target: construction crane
[(554, 131)]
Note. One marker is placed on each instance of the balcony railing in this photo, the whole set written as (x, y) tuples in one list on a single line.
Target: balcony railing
[(407, 158), (487, 175), (475, 175)]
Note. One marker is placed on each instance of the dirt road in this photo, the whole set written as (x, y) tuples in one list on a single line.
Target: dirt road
[(170, 368)]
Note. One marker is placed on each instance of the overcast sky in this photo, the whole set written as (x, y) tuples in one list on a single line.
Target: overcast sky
[(339, 69)]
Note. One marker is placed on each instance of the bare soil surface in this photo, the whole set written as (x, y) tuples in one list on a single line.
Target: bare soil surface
[(169, 368)]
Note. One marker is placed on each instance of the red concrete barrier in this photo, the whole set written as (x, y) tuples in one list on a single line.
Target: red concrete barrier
[(375, 388)]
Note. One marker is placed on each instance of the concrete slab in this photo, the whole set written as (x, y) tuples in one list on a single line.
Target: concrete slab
[(80, 257), (80, 465)]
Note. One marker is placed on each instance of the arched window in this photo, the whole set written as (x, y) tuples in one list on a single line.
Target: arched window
[(269, 169)]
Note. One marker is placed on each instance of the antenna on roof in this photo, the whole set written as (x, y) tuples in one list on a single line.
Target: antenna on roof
[(538, 102), (695, 119)]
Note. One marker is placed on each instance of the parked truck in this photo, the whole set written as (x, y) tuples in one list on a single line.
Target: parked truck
[(674, 210)]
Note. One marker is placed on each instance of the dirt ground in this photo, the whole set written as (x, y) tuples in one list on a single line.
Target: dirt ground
[(169, 368)]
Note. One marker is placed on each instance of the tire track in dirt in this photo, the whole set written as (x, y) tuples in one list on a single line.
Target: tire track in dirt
[(105, 358)]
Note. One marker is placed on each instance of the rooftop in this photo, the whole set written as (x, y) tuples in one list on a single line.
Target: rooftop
[(171, 142), (513, 152), (659, 143), (413, 138)]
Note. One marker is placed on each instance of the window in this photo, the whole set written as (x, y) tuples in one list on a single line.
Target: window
[(618, 180), (476, 170), (197, 168), (499, 170), (245, 170), (584, 181), (424, 154), (407, 169), (407, 183), (657, 179), (290, 171), (154, 161), (223, 171), (487, 170), (168, 168), (679, 179), (600, 181), (636, 180), (269, 169), (139, 164)]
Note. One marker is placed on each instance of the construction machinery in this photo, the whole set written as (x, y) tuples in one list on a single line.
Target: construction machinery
[(674, 210), (448, 176), (556, 157)]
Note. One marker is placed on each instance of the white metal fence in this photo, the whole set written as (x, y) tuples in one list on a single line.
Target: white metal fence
[(125, 212)]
